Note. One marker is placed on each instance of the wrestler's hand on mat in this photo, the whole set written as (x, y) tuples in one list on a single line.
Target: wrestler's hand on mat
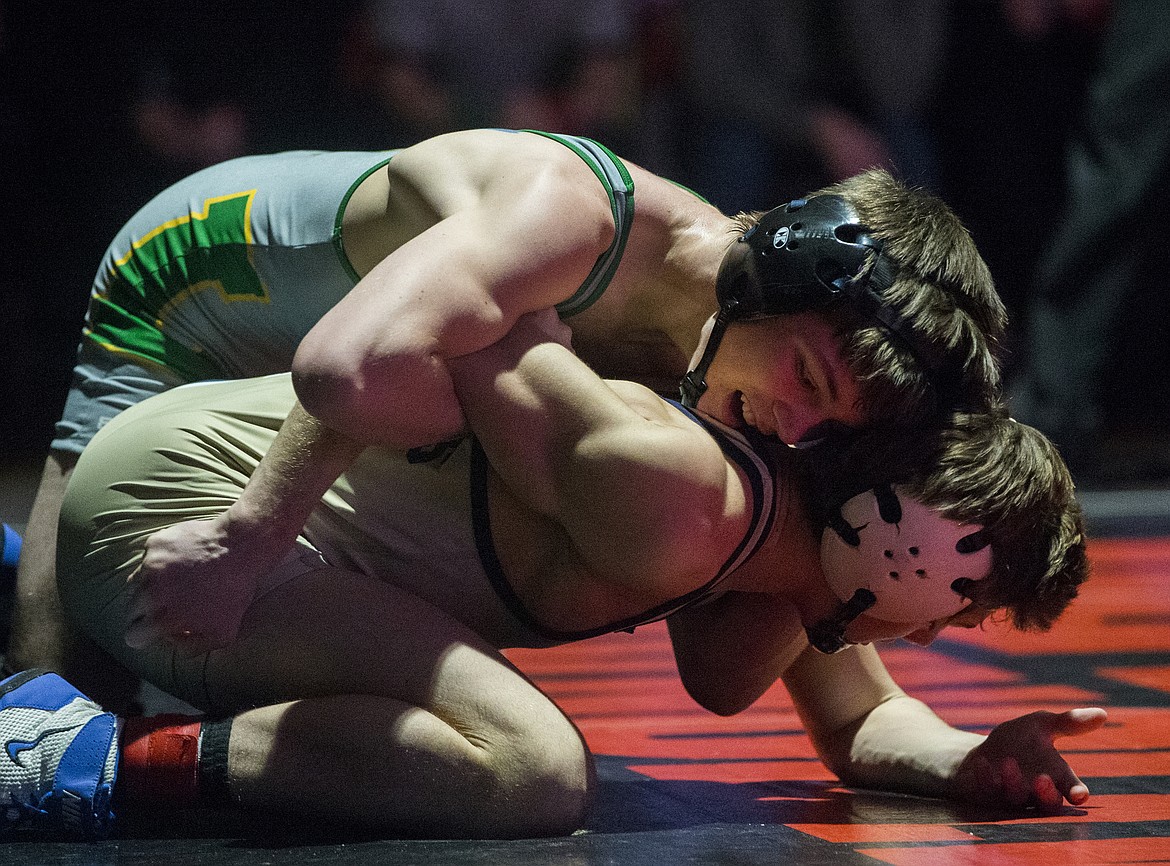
[(193, 585), (1018, 762)]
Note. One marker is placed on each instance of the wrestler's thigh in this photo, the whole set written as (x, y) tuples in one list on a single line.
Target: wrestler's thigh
[(337, 632), (105, 383)]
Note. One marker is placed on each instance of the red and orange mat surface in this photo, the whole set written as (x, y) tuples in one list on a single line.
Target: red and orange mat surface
[(682, 786), (756, 772)]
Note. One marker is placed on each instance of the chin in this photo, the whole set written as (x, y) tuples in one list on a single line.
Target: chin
[(726, 409)]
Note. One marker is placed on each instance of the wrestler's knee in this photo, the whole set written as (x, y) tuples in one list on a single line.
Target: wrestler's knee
[(542, 782)]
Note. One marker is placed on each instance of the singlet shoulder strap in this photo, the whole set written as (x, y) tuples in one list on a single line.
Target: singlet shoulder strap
[(760, 479), (619, 186)]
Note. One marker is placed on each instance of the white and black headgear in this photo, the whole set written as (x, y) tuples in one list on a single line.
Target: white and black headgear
[(893, 558)]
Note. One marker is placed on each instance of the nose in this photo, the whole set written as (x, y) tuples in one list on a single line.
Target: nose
[(926, 636), (797, 420)]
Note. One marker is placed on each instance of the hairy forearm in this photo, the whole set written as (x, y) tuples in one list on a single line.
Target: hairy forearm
[(198, 577), (304, 460)]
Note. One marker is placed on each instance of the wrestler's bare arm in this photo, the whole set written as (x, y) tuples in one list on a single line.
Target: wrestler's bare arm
[(734, 648), (871, 734), (643, 493), (373, 370), (374, 367), (864, 727)]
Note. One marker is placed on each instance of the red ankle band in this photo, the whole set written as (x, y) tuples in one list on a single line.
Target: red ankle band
[(160, 759)]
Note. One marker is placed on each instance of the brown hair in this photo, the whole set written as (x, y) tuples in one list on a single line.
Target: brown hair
[(988, 469), (941, 285), (1010, 477)]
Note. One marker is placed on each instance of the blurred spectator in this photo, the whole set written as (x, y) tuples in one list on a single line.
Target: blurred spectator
[(562, 65), (217, 80), (1100, 258), (789, 95), (1035, 19), (1013, 82), (658, 39)]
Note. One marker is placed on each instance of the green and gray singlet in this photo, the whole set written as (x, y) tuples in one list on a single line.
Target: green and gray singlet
[(221, 275)]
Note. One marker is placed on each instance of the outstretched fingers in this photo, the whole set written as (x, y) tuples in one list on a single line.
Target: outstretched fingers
[(1074, 723), (1051, 781), (1019, 763)]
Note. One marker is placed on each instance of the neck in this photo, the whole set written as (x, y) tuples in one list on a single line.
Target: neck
[(685, 296), (648, 323), (788, 564)]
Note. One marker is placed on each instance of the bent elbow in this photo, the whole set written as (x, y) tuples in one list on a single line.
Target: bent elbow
[(325, 392), (321, 374), (716, 698), (345, 388), (398, 403)]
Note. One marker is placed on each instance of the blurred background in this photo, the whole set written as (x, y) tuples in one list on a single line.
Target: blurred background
[(1044, 124)]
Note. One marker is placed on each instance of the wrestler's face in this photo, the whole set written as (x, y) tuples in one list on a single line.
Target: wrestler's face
[(866, 629), (784, 376)]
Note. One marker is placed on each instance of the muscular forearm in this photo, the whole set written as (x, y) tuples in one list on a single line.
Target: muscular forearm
[(198, 577), (304, 460), (530, 404), (867, 730), (870, 733)]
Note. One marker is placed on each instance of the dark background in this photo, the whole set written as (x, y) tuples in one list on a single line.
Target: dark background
[(77, 162)]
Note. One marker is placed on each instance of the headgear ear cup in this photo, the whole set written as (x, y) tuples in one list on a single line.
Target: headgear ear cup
[(798, 257), (805, 255), (911, 565)]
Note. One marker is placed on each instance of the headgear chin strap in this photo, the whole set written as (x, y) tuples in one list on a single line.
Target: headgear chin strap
[(805, 256), (889, 556)]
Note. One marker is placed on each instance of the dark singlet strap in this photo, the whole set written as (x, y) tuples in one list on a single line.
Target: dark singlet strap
[(760, 478)]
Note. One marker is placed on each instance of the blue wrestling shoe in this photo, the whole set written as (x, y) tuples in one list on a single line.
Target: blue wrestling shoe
[(60, 756), (9, 548)]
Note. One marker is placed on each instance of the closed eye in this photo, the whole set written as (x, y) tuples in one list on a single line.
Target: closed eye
[(803, 376), (818, 375)]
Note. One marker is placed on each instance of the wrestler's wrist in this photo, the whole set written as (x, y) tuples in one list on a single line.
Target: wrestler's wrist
[(242, 525)]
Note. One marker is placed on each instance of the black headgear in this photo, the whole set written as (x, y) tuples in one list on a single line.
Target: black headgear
[(807, 255)]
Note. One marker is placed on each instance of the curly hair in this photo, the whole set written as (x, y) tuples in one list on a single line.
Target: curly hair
[(982, 468)]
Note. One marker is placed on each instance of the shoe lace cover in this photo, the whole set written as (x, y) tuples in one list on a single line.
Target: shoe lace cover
[(31, 789)]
